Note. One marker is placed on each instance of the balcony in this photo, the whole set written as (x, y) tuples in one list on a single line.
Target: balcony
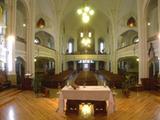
[(85, 56), (130, 50), (42, 51)]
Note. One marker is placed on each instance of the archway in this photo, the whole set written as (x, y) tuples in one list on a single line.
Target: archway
[(45, 39), (20, 71), (44, 67), (127, 38), (21, 40), (128, 66), (152, 18)]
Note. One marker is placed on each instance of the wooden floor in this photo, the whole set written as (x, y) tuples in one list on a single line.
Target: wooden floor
[(26, 106)]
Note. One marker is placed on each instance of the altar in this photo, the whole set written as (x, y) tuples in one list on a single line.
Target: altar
[(94, 93)]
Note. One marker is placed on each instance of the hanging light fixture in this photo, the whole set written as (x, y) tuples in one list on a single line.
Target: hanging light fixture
[(41, 23), (131, 22), (86, 42), (86, 12)]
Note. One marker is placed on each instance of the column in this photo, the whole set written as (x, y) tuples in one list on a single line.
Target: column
[(113, 44), (30, 51), (75, 45), (65, 66), (97, 65), (75, 65), (11, 34), (159, 34), (96, 44), (142, 30), (106, 66)]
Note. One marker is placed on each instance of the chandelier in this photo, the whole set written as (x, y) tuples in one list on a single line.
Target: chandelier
[(86, 12), (86, 42)]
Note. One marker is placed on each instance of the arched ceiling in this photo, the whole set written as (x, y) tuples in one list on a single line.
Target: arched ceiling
[(67, 6), (99, 23), (107, 7)]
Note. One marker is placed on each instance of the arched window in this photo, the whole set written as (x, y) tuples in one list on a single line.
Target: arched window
[(101, 45), (70, 46)]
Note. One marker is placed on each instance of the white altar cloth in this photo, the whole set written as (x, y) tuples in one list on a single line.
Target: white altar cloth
[(96, 93)]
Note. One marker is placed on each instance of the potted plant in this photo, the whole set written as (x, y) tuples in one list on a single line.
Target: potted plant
[(126, 85), (37, 84)]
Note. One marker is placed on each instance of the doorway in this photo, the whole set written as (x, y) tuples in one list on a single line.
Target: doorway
[(20, 71)]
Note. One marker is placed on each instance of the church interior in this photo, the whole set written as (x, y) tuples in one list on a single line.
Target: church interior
[(79, 59)]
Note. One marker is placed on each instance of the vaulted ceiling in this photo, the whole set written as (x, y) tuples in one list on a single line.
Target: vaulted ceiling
[(107, 13)]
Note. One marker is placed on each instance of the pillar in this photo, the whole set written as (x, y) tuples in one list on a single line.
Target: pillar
[(142, 34), (11, 35), (97, 65), (75, 65), (30, 54), (159, 34)]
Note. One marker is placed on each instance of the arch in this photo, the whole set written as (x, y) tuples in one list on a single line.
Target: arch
[(22, 31), (26, 8), (20, 71), (127, 38), (21, 21), (101, 45), (44, 66), (46, 39), (129, 66), (70, 45), (152, 18)]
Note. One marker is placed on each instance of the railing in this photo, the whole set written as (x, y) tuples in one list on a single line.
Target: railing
[(43, 51), (77, 57), (126, 45), (131, 50), (86, 53)]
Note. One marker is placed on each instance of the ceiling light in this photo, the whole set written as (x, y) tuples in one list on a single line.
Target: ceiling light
[(35, 60), (79, 11), (41, 23), (24, 25), (86, 12), (149, 24), (91, 12), (86, 42), (36, 41), (136, 40), (137, 59), (85, 18), (131, 22), (86, 9)]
